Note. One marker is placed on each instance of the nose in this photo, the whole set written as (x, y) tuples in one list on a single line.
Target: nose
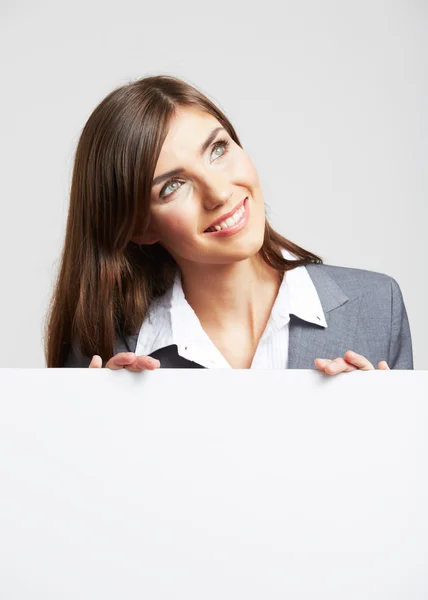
[(216, 191)]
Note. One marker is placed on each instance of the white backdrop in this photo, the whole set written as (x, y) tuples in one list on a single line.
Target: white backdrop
[(328, 98)]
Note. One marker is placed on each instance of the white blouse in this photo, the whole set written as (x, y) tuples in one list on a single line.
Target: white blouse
[(171, 320)]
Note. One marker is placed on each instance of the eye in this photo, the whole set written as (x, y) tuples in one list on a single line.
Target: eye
[(217, 144), (224, 143)]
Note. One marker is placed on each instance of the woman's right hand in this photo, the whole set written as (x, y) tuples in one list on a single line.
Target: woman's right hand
[(126, 360)]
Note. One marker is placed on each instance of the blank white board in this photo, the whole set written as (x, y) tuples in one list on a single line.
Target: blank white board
[(210, 483)]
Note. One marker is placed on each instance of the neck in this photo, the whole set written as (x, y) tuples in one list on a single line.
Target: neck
[(237, 296)]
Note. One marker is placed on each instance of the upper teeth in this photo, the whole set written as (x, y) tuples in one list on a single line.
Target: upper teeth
[(230, 221)]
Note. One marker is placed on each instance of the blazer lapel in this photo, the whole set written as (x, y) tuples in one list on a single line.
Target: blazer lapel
[(168, 356), (170, 359), (308, 341)]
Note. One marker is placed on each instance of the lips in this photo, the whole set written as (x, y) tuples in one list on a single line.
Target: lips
[(227, 215)]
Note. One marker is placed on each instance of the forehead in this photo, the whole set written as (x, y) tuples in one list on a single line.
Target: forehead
[(188, 129)]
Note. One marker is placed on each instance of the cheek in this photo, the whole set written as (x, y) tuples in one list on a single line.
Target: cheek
[(173, 223), (244, 170)]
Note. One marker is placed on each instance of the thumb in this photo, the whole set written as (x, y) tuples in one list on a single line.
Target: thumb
[(96, 362)]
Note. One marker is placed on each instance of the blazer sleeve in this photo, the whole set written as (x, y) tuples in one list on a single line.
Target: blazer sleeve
[(400, 348), (75, 358)]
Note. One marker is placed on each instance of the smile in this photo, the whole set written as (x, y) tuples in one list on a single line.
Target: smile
[(233, 224)]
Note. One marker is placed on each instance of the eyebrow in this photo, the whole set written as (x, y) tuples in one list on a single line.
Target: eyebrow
[(180, 170)]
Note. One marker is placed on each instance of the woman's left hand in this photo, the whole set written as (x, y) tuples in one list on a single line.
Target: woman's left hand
[(350, 362)]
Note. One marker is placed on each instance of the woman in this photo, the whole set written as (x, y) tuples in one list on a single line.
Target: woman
[(169, 254)]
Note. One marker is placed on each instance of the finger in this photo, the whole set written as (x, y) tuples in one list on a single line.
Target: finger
[(132, 362), (339, 365), (321, 363), (360, 361), (96, 362), (383, 365), (144, 362), (333, 367), (121, 360)]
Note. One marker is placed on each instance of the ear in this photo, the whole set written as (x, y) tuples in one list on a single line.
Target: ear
[(147, 238), (144, 240)]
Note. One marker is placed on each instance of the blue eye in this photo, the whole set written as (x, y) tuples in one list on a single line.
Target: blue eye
[(219, 143)]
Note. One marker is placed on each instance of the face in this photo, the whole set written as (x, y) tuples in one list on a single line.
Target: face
[(211, 184)]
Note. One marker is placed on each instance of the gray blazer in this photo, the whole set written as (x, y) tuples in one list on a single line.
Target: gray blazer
[(364, 311)]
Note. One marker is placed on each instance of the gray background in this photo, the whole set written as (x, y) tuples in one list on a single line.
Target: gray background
[(329, 100)]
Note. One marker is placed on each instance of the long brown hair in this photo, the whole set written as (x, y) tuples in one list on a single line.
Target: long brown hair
[(105, 282)]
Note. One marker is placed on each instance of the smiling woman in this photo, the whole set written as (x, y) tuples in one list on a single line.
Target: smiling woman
[(169, 253)]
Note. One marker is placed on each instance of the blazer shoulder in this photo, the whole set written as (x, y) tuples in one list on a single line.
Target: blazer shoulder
[(353, 281)]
